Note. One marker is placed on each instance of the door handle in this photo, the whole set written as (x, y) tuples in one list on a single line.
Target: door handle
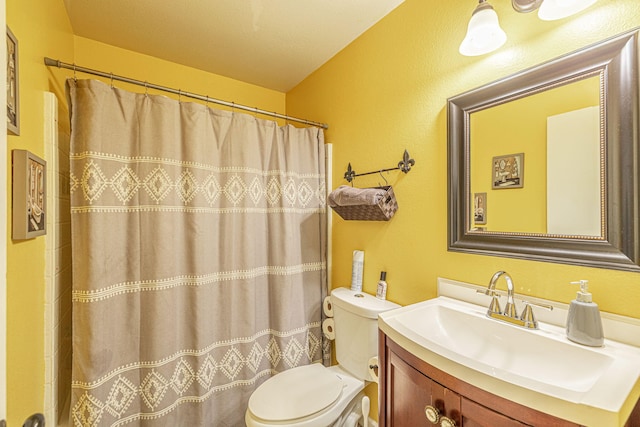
[(35, 420)]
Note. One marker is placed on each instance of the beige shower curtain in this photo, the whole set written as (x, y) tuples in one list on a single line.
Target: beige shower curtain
[(199, 257)]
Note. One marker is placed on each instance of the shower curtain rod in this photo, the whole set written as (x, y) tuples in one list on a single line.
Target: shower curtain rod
[(76, 68)]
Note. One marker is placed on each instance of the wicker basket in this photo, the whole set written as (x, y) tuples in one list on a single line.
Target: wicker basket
[(383, 211)]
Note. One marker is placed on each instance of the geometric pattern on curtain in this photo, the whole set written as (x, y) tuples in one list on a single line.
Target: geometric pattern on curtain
[(199, 250)]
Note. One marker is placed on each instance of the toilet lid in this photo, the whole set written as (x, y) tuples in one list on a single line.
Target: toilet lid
[(295, 393)]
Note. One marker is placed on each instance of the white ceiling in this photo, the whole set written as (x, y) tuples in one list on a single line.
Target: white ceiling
[(271, 43)]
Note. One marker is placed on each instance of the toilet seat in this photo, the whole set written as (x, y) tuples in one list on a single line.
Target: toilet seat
[(296, 393)]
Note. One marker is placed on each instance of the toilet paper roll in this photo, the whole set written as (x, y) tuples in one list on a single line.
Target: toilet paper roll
[(329, 328), (373, 369), (327, 307)]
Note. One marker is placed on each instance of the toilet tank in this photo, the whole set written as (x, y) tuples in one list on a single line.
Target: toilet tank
[(356, 329)]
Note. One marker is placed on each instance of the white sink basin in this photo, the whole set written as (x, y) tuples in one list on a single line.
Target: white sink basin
[(543, 360)]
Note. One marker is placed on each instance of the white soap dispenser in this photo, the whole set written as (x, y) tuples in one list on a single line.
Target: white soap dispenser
[(584, 325)]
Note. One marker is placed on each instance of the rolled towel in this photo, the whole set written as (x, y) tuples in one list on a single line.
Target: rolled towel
[(349, 196)]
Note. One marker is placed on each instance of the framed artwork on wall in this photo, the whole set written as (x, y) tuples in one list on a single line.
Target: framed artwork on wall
[(29, 195), (508, 171), (480, 208), (13, 98)]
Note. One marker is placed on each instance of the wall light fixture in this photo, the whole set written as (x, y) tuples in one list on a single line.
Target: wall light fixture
[(484, 34)]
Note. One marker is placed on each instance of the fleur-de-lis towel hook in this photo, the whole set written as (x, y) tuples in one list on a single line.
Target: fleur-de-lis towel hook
[(404, 165)]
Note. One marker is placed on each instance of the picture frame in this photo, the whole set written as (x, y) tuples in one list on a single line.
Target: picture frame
[(480, 208), (29, 195), (507, 171), (13, 85)]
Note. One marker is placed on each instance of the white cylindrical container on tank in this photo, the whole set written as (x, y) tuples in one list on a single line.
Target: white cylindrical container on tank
[(357, 271)]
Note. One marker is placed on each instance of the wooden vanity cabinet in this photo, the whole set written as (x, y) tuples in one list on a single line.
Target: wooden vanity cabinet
[(408, 386), (410, 392)]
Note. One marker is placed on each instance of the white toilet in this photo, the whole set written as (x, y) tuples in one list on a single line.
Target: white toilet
[(316, 396)]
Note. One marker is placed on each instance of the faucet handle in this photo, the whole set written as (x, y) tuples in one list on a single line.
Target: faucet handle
[(494, 307), (527, 314), (538, 304), (527, 317)]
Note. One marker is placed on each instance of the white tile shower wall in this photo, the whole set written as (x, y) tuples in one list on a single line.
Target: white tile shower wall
[(50, 140), (58, 268)]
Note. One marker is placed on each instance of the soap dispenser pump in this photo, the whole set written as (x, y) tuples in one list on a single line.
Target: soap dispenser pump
[(584, 325)]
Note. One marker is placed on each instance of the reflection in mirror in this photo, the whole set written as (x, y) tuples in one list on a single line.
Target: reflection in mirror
[(544, 164), (557, 132)]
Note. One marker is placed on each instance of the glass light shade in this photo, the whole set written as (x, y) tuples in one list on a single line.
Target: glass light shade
[(484, 34), (558, 9)]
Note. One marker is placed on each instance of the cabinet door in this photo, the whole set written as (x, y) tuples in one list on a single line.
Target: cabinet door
[(475, 415), (408, 384), (409, 392)]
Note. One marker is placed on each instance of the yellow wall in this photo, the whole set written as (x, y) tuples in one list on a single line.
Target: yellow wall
[(520, 126), (388, 91), (384, 93), (43, 29)]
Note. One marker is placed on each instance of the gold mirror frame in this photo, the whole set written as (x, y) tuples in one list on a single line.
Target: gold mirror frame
[(616, 61)]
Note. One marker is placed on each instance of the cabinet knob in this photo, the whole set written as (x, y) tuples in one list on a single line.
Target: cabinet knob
[(432, 413), (447, 422)]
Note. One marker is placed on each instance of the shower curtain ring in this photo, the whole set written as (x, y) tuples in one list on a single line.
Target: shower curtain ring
[(111, 81), (75, 78), (146, 88), (179, 95)]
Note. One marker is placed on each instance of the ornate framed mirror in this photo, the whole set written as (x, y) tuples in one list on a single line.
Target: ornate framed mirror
[(543, 164)]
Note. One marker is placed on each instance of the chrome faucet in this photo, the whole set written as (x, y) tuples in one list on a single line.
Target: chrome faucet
[(510, 308), (510, 314)]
